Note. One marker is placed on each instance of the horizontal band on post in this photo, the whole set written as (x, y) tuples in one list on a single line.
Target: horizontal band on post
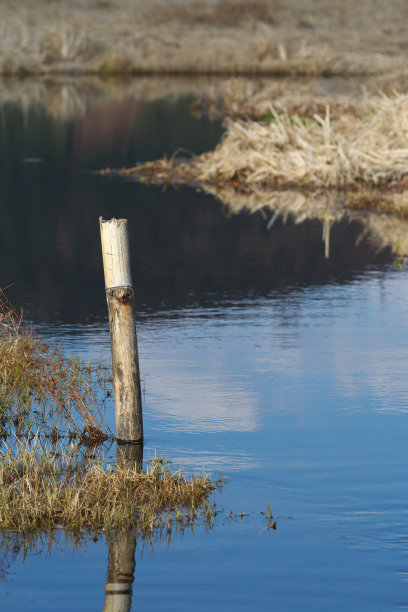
[(119, 287), (129, 442), (119, 586)]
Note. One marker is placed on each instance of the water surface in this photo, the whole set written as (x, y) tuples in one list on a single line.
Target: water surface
[(260, 359)]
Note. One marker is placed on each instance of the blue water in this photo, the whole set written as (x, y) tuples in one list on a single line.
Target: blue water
[(297, 393)]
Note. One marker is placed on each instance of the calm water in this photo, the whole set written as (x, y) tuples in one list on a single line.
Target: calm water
[(260, 359)]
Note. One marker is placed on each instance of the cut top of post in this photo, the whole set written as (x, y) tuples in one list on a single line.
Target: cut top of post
[(115, 252)]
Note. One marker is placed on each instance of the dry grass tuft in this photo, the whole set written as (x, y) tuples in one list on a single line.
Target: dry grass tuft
[(44, 489)]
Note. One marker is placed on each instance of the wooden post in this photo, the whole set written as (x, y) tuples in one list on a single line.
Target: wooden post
[(125, 360)]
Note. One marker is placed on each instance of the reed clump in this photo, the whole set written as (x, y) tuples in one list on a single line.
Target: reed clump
[(291, 151), (44, 488), (308, 166), (314, 152)]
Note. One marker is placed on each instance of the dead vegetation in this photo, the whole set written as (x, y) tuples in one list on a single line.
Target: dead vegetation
[(312, 165), (51, 488), (212, 37), (42, 393), (317, 151), (50, 477), (291, 151)]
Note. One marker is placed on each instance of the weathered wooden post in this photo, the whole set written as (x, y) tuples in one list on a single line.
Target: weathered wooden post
[(122, 325)]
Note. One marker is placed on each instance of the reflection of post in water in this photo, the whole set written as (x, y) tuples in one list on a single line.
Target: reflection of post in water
[(121, 558), (130, 455), (327, 223), (121, 568)]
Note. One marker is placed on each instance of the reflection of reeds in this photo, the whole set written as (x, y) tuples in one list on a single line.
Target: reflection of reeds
[(385, 225), (65, 97), (212, 36)]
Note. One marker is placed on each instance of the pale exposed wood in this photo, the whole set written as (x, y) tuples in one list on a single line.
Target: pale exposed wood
[(125, 360), (115, 252)]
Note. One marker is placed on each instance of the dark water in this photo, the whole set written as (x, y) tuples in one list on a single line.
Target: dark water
[(260, 359)]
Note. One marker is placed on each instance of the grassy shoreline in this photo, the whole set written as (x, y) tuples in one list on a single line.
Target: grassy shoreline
[(258, 37)]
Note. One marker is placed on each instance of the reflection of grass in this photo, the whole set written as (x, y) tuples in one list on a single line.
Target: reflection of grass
[(46, 489)]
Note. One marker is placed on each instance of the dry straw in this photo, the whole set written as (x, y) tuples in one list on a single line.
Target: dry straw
[(314, 152), (313, 165), (53, 488), (303, 152), (211, 36)]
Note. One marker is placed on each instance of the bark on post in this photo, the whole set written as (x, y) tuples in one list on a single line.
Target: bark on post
[(122, 325)]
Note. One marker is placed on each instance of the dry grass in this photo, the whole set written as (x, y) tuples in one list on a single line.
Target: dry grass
[(47, 489), (287, 151), (315, 152), (41, 392), (246, 99), (309, 166), (215, 36)]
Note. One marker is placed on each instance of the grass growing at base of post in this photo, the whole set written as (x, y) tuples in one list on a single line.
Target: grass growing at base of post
[(41, 488)]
